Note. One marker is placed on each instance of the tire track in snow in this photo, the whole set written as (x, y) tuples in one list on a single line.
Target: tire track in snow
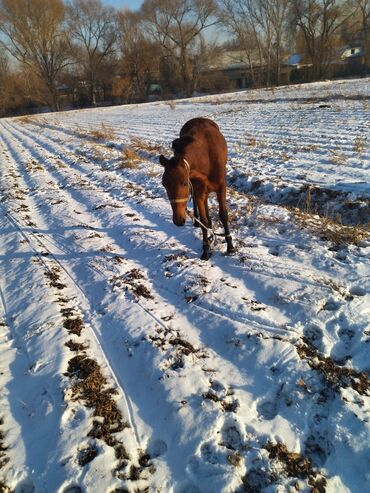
[(162, 323), (211, 312), (220, 398), (35, 243), (263, 411)]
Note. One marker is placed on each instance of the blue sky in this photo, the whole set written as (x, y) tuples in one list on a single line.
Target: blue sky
[(121, 4)]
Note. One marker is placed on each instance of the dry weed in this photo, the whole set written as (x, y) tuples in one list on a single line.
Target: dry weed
[(28, 119), (80, 133), (171, 104), (130, 159), (143, 145), (338, 157), (295, 465), (103, 133), (359, 144), (309, 147), (3, 448), (330, 229), (251, 141), (334, 374)]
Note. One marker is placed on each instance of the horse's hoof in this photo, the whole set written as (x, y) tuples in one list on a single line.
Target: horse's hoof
[(205, 256), (231, 251)]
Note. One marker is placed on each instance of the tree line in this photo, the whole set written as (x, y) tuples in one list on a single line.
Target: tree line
[(81, 52)]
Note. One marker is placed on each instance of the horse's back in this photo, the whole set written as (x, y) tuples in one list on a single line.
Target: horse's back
[(195, 125), (206, 134)]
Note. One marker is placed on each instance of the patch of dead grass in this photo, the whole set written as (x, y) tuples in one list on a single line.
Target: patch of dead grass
[(105, 132), (74, 325), (54, 277), (330, 230), (27, 119), (334, 374), (171, 103), (251, 141), (338, 157), (90, 386), (359, 144), (130, 159), (295, 465), (3, 448), (143, 145)]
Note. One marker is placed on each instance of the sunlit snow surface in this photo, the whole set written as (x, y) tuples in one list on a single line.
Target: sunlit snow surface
[(206, 357)]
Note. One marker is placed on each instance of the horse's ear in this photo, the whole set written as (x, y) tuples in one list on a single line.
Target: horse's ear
[(178, 145), (163, 160)]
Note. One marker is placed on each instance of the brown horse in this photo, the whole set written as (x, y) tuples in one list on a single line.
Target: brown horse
[(197, 168)]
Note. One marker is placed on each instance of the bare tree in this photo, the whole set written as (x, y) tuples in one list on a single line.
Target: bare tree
[(236, 16), (276, 14), (362, 23), (319, 22), (35, 36), (260, 27), (177, 25), (93, 31), (139, 56)]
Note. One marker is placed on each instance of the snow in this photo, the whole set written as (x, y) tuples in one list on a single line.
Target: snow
[(207, 362)]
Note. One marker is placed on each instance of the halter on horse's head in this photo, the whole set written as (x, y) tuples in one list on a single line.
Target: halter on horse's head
[(176, 181)]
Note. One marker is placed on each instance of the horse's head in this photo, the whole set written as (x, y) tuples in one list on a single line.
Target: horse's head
[(175, 180)]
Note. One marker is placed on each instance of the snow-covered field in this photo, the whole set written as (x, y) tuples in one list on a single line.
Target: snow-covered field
[(127, 364)]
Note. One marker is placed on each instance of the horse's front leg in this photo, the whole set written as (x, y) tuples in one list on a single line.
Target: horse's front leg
[(221, 196), (202, 205)]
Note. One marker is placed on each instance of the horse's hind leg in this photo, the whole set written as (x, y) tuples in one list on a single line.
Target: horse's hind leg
[(224, 217), (207, 214)]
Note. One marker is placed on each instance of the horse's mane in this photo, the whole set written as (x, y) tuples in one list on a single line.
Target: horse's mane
[(179, 145)]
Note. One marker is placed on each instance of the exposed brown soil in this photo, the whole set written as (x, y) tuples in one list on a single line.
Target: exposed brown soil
[(334, 374), (74, 325), (296, 466), (90, 387), (185, 346), (4, 488), (137, 288), (54, 275), (227, 405), (3, 448), (86, 455), (75, 346)]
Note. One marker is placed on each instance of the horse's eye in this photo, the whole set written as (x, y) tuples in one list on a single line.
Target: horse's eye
[(184, 184)]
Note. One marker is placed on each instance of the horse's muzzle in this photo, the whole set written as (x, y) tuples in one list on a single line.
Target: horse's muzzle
[(179, 222)]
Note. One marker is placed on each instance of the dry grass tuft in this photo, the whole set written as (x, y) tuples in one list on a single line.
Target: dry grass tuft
[(82, 134), (54, 277), (296, 466), (328, 228), (334, 374), (28, 119), (251, 141), (331, 230), (91, 387), (4, 488), (3, 448), (87, 454), (171, 104), (130, 159), (338, 158), (103, 133), (359, 144), (143, 145)]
